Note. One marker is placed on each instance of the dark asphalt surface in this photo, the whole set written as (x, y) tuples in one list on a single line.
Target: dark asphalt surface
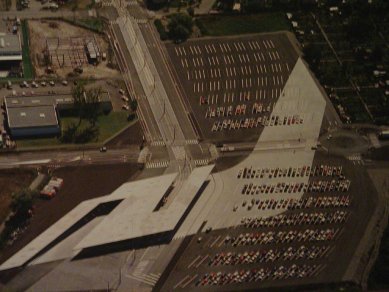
[(332, 266), (251, 62)]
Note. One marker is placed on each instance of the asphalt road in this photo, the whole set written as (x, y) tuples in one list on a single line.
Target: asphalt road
[(57, 158), (151, 127), (161, 61), (38, 14)]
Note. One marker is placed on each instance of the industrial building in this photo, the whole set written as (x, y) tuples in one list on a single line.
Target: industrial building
[(36, 116), (10, 53), (33, 121)]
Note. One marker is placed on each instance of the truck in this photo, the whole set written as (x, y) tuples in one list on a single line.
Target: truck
[(52, 188), (384, 134)]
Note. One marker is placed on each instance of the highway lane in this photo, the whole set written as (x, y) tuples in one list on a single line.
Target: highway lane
[(175, 95), (151, 82), (38, 14), (134, 85)]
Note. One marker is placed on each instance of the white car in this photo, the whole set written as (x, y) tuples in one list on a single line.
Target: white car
[(125, 106)]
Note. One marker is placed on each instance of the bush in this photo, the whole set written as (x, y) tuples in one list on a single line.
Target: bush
[(180, 27), (190, 11)]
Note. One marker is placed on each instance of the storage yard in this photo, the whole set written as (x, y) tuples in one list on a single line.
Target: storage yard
[(67, 51)]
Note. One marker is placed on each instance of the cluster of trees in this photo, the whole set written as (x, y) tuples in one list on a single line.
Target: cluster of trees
[(179, 28), (86, 107), (22, 210)]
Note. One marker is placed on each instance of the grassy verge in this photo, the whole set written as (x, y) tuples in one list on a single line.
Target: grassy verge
[(108, 126), (95, 24), (242, 24), (27, 65)]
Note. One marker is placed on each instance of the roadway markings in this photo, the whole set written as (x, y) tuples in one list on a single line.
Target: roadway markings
[(356, 159), (157, 164), (157, 143), (192, 141), (200, 162), (149, 279)]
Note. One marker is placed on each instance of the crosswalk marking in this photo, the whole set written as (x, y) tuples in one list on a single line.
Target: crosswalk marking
[(157, 164), (150, 278), (356, 159), (199, 162), (158, 143), (193, 141)]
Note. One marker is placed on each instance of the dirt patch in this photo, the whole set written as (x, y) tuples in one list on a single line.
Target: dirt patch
[(12, 180), (44, 29), (80, 183)]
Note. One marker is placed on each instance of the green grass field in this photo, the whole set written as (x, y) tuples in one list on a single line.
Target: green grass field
[(108, 126), (92, 23), (27, 65), (243, 24)]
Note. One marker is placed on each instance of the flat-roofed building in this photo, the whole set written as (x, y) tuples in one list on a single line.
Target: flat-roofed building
[(33, 116), (10, 54), (33, 121), (10, 47)]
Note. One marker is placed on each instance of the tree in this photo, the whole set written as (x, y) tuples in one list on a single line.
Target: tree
[(92, 98), (180, 27), (79, 101), (22, 201), (134, 105), (190, 11)]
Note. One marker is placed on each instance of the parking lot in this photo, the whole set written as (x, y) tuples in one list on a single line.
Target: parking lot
[(232, 84), (296, 246)]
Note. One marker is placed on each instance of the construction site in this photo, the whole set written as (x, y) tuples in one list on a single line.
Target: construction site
[(74, 51)]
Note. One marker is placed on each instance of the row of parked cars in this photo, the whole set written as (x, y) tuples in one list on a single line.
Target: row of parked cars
[(268, 255), (36, 84), (250, 172), (257, 275), (290, 187), (282, 236), (296, 219), (322, 202)]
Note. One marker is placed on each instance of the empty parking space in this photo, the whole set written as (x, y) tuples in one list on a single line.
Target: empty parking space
[(232, 84)]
